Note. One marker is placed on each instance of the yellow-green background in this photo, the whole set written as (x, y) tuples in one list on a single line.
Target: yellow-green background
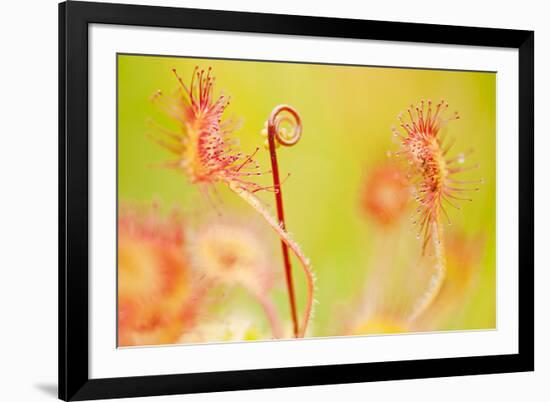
[(347, 115)]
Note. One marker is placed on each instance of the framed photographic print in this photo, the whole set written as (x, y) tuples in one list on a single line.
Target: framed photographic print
[(257, 201)]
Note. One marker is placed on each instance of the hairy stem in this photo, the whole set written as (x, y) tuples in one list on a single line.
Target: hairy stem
[(437, 279), (259, 207)]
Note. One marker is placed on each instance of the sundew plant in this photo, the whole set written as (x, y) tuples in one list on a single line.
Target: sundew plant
[(265, 200)]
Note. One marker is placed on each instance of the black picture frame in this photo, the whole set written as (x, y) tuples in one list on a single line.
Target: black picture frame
[(74, 380)]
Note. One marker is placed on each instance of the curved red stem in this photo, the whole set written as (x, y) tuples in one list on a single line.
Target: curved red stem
[(272, 132)]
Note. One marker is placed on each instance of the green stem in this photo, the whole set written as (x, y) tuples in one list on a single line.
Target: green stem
[(437, 279), (271, 314)]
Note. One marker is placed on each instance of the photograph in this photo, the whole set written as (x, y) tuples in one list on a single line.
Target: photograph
[(265, 200), (274, 201)]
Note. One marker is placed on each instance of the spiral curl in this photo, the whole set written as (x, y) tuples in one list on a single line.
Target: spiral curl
[(275, 119)]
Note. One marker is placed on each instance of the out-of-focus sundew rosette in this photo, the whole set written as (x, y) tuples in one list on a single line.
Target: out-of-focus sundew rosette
[(236, 254), (158, 296), (386, 194)]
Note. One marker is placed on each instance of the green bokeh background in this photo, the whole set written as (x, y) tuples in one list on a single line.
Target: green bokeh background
[(347, 115)]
